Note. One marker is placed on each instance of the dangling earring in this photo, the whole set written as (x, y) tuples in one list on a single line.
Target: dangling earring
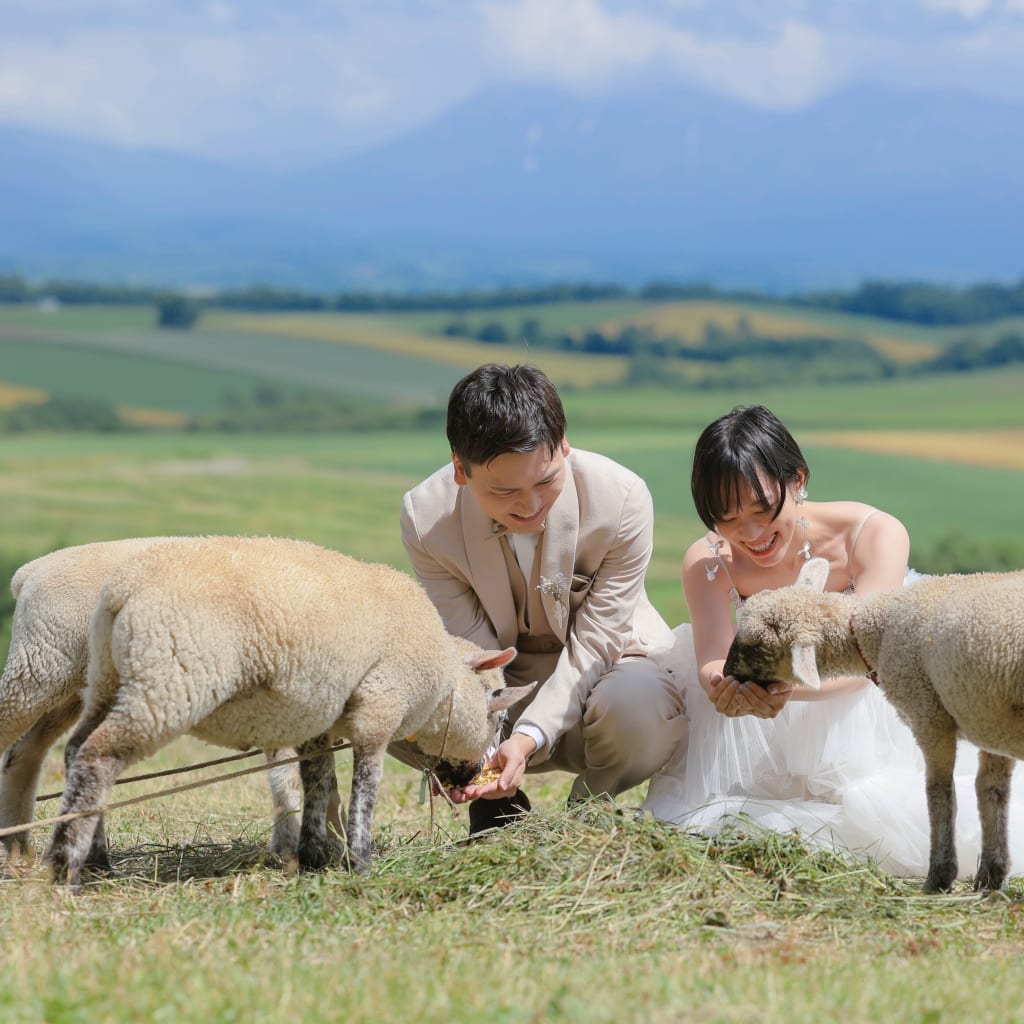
[(713, 564), (800, 496)]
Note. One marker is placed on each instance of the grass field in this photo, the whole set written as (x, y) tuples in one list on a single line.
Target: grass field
[(585, 917), (344, 490)]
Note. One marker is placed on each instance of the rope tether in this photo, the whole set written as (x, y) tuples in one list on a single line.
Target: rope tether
[(56, 820)]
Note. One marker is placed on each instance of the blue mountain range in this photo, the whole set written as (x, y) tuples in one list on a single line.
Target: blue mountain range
[(522, 186)]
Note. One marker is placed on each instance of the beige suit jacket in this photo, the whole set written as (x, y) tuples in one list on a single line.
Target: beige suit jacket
[(598, 538)]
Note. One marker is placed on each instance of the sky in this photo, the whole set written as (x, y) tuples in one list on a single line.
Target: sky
[(305, 82)]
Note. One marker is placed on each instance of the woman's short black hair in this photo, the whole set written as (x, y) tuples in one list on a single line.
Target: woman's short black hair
[(498, 409), (733, 453)]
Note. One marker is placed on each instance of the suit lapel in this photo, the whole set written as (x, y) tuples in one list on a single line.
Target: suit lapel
[(487, 569), (558, 555)]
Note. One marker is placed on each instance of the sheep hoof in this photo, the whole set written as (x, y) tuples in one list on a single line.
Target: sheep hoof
[(62, 873), (940, 877), (316, 855), (359, 867), (990, 877), (99, 863)]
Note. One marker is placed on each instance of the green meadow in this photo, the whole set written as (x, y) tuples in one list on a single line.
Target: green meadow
[(344, 490), (593, 916)]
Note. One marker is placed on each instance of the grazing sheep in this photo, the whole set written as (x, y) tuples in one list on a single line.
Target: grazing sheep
[(947, 652), (45, 674), (272, 643)]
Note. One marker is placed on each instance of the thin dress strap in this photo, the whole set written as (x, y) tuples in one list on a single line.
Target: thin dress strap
[(715, 563), (853, 544)]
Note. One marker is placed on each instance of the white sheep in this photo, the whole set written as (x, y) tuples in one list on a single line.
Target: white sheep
[(947, 652), (45, 674), (271, 643)]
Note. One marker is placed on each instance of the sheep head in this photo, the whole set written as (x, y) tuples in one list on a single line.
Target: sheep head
[(777, 634), (478, 701)]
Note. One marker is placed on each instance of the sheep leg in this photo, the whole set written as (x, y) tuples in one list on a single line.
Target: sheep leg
[(367, 771), (992, 785), (939, 749), (316, 847), (21, 767), (97, 857), (94, 767), (286, 792), (335, 808)]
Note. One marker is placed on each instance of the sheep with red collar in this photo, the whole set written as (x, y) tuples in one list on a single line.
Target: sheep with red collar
[(274, 643), (44, 678), (947, 652)]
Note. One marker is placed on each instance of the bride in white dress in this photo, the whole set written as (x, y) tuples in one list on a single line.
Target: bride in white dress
[(836, 764)]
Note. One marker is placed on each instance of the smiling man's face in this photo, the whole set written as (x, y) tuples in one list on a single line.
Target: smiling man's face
[(517, 489)]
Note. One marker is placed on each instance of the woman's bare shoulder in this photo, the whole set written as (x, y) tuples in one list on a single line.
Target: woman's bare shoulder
[(848, 517)]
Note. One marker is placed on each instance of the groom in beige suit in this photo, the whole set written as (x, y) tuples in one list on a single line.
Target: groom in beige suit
[(522, 542)]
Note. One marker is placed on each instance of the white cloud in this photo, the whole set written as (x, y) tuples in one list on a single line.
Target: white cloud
[(298, 83), (969, 9), (287, 95), (583, 45)]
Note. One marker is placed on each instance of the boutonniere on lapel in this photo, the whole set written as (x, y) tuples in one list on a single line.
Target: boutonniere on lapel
[(557, 588)]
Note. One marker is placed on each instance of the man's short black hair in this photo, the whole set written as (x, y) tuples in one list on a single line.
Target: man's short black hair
[(498, 409)]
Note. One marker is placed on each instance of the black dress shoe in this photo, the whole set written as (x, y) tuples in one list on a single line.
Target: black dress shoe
[(488, 814)]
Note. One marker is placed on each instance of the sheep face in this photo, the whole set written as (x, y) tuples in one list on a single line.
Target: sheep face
[(460, 735), (761, 650), (778, 632), (772, 653)]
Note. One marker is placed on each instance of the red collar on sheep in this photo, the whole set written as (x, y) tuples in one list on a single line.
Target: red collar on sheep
[(872, 673)]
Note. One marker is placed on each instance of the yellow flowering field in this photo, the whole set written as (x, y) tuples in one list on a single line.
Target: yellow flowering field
[(687, 321), (1001, 449), (379, 333), (13, 394)]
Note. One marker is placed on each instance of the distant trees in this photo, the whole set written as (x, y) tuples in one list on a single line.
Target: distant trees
[(911, 301), (921, 303), (176, 311), (972, 354)]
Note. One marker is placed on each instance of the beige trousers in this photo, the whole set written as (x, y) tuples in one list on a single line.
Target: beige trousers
[(633, 720)]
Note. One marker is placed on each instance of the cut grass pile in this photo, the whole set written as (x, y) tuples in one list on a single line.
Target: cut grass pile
[(584, 915)]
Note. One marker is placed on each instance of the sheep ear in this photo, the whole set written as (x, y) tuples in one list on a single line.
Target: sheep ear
[(805, 666), (503, 699), (814, 575), (480, 661)]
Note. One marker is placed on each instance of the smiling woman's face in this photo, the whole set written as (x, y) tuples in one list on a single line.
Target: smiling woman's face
[(754, 529)]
